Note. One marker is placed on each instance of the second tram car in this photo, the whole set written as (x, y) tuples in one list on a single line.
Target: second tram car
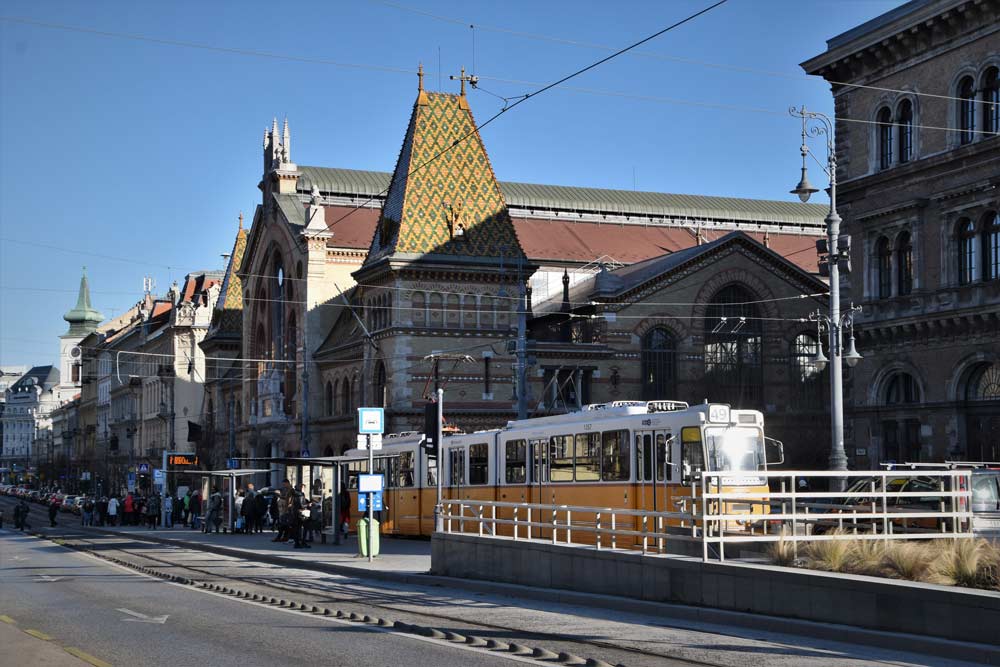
[(622, 455)]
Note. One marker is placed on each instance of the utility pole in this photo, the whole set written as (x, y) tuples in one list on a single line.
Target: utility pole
[(522, 343), (440, 460), (305, 382)]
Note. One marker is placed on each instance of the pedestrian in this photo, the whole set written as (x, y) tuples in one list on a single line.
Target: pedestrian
[(127, 507), (113, 511), (187, 507), (297, 513), (260, 512), (168, 511), (249, 509), (240, 522), (280, 511), (53, 509), (152, 507), (194, 505), (274, 511), (214, 511), (345, 510), (87, 512), (101, 510), (1, 518), (21, 516), (178, 516)]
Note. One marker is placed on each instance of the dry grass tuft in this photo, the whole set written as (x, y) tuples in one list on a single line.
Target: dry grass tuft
[(782, 552), (830, 555), (865, 557), (957, 563), (907, 560)]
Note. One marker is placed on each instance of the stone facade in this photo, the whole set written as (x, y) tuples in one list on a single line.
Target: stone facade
[(918, 185)]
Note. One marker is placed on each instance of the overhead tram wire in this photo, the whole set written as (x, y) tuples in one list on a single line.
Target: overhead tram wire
[(476, 129), (655, 56)]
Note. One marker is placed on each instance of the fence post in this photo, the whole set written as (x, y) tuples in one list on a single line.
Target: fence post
[(447, 504), (644, 531), (569, 526), (515, 522), (614, 536), (529, 522), (493, 514), (598, 544), (704, 518), (480, 521)]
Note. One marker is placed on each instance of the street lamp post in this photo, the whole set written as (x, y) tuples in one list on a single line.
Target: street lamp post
[(834, 254)]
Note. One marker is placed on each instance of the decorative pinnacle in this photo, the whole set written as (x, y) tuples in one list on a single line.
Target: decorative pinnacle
[(420, 77), (241, 219)]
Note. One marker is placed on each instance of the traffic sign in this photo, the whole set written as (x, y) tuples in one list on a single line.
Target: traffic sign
[(371, 420), (376, 501), (158, 476), (143, 468)]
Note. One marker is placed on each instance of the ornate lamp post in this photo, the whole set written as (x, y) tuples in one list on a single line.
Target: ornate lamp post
[(834, 252)]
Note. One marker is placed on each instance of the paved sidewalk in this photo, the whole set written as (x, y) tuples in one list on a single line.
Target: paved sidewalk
[(23, 648), (397, 555)]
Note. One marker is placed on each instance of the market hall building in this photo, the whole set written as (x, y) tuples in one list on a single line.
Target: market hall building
[(369, 288)]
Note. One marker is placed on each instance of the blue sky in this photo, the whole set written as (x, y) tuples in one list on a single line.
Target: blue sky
[(135, 157)]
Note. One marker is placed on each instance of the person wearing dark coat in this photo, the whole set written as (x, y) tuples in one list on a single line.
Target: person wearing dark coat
[(261, 508), (194, 508), (53, 510)]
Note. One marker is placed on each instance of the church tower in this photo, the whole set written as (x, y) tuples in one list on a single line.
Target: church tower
[(83, 320), (443, 273)]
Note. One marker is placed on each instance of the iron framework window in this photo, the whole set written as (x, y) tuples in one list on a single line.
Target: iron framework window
[(966, 110), (884, 120), (904, 125), (807, 379), (966, 251), (991, 246), (984, 383), (901, 389), (991, 101), (883, 256), (733, 349), (904, 263), (659, 364)]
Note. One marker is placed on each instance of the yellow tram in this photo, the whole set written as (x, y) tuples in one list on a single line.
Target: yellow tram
[(635, 455)]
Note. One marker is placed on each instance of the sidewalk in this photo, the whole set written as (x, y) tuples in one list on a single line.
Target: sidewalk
[(398, 556)]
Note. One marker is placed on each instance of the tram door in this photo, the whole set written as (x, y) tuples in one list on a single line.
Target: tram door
[(454, 481), (654, 471), (539, 487)]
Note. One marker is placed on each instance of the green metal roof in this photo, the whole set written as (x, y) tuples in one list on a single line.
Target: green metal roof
[(587, 200)]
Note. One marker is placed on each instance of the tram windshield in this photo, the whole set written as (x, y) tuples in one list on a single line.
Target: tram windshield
[(735, 448)]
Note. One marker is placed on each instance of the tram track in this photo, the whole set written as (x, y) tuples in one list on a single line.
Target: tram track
[(365, 604)]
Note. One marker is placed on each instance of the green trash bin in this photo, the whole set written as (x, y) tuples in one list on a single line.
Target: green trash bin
[(363, 537)]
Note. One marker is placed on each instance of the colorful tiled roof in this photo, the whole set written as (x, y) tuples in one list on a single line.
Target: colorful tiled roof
[(444, 198), (228, 314)]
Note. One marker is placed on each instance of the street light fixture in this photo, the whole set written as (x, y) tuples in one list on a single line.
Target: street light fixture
[(834, 257)]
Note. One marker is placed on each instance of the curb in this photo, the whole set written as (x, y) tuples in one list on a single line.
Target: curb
[(955, 650)]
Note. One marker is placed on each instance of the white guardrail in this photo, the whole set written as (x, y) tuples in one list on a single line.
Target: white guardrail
[(720, 509)]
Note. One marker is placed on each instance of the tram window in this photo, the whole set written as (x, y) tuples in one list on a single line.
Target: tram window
[(516, 462), (615, 464), (456, 467), (405, 469), (479, 464), (644, 457), (692, 452), (562, 458), (588, 457), (662, 456), (432, 470), (540, 460)]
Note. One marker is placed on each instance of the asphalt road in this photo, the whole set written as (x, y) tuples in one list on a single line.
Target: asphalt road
[(120, 617)]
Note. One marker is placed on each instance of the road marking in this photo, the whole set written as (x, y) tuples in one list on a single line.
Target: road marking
[(38, 634), (47, 579), (142, 618), (86, 657), (8, 620)]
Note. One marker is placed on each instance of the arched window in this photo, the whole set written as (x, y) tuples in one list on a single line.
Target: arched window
[(328, 399), (883, 267), (346, 398), (984, 383), (904, 263), (378, 386), (966, 231), (734, 357), (991, 245), (991, 101), (659, 365), (904, 130), (884, 129), (966, 109), (807, 379), (901, 389)]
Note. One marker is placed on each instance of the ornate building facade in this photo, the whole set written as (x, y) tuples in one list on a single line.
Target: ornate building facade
[(919, 185)]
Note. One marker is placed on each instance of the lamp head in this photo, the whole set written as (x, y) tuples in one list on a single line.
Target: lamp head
[(819, 360), (804, 189), (851, 358)]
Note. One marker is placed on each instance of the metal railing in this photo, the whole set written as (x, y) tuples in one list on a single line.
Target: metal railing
[(739, 507)]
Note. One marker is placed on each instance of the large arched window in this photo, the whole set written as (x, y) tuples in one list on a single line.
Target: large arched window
[(291, 362), (807, 382), (883, 267), (966, 232), (345, 404), (328, 399), (991, 245), (378, 386), (659, 365), (901, 389), (884, 130), (733, 349), (966, 110), (983, 383), (904, 263), (904, 130), (991, 100)]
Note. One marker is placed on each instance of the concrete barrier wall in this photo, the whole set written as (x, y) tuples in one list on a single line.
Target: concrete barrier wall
[(867, 602)]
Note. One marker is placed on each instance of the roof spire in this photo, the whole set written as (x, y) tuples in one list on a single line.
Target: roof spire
[(462, 79), (241, 219), (83, 319), (420, 78)]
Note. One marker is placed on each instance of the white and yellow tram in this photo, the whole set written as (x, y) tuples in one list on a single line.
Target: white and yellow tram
[(623, 455)]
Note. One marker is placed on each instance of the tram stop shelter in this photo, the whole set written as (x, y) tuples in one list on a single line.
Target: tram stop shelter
[(227, 478), (322, 475)]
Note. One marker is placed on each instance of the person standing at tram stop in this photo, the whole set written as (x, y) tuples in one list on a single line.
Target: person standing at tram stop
[(345, 510), (128, 507), (297, 506), (168, 511), (260, 510), (112, 510)]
